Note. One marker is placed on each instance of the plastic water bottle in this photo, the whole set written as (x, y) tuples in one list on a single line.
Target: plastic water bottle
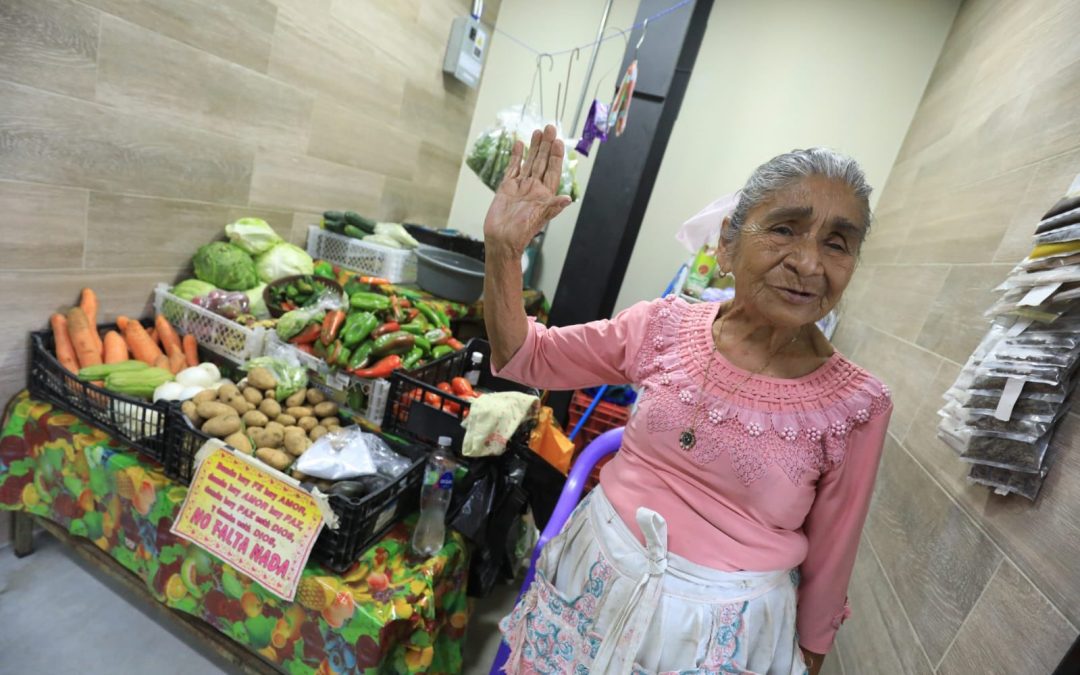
[(473, 375), (430, 532)]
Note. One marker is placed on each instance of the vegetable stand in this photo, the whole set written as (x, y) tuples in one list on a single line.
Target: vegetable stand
[(386, 612)]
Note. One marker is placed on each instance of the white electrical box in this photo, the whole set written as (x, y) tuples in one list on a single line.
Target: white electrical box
[(465, 52)]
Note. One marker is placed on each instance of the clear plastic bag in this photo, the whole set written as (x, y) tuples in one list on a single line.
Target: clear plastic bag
[(490, 153), (290, 375), (1005, 481), (349, 453), (1006, 453), (291, 323), (1025, 371), (1061, 234), (1034, 355)]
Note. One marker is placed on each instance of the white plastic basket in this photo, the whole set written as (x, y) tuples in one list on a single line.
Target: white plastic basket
[(216, 333), (398, 266)]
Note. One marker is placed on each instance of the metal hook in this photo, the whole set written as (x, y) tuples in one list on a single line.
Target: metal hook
[(626, 46), (561, 112), (540, 77), (644, 30)]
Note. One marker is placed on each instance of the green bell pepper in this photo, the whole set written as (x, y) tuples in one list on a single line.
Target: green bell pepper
[(369, 302), (325, 270), (398, 342), (423, 344), (416, 328), (360, 327), (441, 351), (360, 356)]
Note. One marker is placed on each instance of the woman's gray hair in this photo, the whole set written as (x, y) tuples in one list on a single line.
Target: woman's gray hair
[(785, 169)]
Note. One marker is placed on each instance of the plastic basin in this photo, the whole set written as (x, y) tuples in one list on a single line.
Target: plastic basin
[(450, 275)]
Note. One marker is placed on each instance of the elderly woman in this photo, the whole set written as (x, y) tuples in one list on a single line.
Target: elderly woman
[(723, 534)]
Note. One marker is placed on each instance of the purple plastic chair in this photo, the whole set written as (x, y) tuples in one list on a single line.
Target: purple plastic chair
[(605, 444)]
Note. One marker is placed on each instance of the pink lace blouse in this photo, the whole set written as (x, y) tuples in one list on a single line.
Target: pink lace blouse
[(781, 474)]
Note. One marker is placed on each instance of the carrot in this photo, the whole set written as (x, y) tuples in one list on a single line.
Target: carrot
[(89, 305), (140, 344), (191, 350), (79, 330), (122, 322), (177, 360), (168, 336), (161, 362), (65, 353), (152, 332), (115, 349)]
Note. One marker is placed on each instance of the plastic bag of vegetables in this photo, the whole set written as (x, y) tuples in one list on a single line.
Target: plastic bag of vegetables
[(289, 375), (490, 154)]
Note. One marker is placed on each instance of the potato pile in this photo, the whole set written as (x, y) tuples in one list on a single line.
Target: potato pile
[(249, 418)]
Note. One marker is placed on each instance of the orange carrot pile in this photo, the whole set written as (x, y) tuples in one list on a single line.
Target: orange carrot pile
[(78, 343)]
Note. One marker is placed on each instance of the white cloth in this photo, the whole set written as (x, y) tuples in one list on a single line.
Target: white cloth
[(604, 604)]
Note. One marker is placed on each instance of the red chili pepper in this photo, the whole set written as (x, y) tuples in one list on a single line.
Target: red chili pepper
[(456, 344), (382, 368), (462, 387), (411, 314), (331, 325), (305, 348), (307, 336), (374, 281), (388, 327), (405, 303), (395, 308), (288, 305)]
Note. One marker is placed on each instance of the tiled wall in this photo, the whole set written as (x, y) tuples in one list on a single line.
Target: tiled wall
[(950, 578), (132, 132)]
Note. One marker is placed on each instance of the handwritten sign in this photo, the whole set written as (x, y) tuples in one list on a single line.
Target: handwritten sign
[(256, 522)]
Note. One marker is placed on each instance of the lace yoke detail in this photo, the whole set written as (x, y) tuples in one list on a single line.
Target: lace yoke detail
[(802, 425)]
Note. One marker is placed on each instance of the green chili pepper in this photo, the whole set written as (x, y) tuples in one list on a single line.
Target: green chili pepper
[(398, 342), (416, 328), (409, 293), (370, 302), (428, 313), (423, 343), (354, 286), (441, 351), (360, 356), (362, 325), (325, 270), (444, 320), (412, 358)]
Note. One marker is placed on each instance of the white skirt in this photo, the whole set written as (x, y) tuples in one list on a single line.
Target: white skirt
[(602, 603)]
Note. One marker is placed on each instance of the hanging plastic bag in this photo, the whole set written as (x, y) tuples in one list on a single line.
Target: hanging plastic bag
[(490, 154), (704, 227)]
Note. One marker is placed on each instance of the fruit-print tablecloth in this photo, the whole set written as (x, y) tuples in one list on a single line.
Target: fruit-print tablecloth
[(385, 615)]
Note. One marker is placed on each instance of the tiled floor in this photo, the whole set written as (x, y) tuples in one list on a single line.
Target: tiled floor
[(59, 618)]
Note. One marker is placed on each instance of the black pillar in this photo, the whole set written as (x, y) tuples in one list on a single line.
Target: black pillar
[(625, 171)]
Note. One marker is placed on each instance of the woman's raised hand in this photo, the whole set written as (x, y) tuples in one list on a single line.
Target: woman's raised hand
[(526, 199)]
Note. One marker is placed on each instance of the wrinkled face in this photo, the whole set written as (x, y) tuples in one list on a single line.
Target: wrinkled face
[(797, 250)]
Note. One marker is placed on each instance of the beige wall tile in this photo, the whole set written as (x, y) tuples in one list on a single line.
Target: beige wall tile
[(44, 226), (339, 134), (300, 224), (922, 442), (887, 236), (409, 203), (309, 184), (437, 118), (955, 323), (849, 334), (1051, 180), (878, 638), (1013, 629), (937, 559), (201, 90), (51, 139), (907, 369), (1049, 125), (392, 28), (237, 30), (895, 300), (50, 44)]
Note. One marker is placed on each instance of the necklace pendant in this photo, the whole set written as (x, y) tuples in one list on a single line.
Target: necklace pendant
[(687, 439)]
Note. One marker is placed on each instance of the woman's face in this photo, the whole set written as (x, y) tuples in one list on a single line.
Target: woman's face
[(797, 250)]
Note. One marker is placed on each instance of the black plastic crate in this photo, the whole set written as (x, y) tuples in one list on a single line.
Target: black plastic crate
[(134, 421), (361, 522), (408, 414)]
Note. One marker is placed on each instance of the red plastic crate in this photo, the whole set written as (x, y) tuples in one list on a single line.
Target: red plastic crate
[(604, 417)]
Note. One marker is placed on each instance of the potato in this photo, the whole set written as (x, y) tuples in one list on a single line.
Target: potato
[(226, 391), (317, 433), (298, 411), (330, 422), (274, 457), (270, 393), (261, 378), (254, 418), (222, 425), (211, 409), (266, 438), (253, 395), (191, 411), (307, 423), (240, 404), (240, 441), (275, 426), (315, 396), (296, 399), (326, 409), (270, 408), (298, 475), (204, 396), (331, 430), (296, 443), (286, 420), (294, 430)]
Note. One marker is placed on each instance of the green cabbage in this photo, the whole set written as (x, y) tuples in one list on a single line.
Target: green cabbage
[(254, 235), (192, 288), (284, 260), (256, 302), (225, 266)]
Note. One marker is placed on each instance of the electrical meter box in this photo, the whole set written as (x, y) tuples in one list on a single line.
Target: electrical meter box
[(466, 50)]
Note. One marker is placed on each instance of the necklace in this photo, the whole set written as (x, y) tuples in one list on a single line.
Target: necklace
[(688, 438)]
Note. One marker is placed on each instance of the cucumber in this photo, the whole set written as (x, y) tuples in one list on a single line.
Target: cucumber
[(356, 220), (334, 215)]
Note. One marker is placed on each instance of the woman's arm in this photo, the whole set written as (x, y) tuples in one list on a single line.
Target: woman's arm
[(832, 529), (525, 201)]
